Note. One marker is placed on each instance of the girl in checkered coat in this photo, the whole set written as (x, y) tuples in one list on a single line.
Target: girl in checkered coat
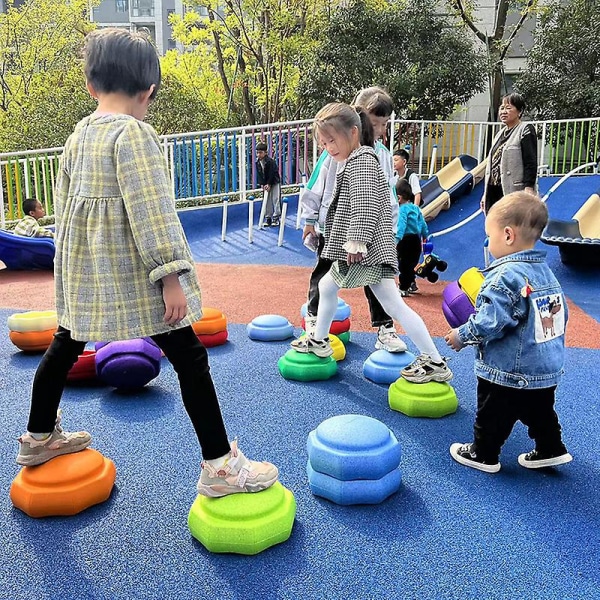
[(360, 242), (123, 268)]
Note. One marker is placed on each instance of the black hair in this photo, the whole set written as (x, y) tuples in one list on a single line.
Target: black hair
[(29, 205), (375, 100), (119, 61), (516, 100), (261, 146), (342, 118), (403, 190), (403, 153)]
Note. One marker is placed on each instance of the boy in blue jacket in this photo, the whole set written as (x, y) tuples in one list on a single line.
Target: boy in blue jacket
[(519, 329), (410, 231)]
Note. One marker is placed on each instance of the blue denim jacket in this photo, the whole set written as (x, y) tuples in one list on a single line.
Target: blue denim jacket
[(519, 323)]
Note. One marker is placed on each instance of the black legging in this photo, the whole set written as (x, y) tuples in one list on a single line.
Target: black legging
[(183, 350)]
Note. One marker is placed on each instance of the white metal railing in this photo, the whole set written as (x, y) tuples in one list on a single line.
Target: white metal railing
[(208, 166)]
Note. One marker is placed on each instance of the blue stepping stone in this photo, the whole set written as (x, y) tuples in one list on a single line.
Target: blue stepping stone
[(349, 447), (270, 328), (384, 367), (341, 314), (358, 491)]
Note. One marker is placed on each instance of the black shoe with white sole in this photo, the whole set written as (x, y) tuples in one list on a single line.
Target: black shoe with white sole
[(538, 460), (463, 454)]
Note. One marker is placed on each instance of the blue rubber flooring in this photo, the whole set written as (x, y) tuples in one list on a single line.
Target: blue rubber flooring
[(450, 532)]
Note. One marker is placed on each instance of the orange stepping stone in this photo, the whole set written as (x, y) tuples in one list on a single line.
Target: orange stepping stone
[(212, 321), (32, 341), (65, 485)]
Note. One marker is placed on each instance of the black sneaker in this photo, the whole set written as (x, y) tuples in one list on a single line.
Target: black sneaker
[(275, 222), (463, 454), (268, 222), (537, 460), (413, 287)]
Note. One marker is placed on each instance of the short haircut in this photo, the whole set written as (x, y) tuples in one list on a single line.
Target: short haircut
[(516, 100), (403, 190), (261, 147), (521, 210), (341, 118), (119, 61), (403, 153), (29, 205), (375, 100)]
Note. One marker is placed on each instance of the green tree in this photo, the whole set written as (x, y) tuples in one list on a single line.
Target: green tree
[(42, 88), (562, 75), (497, 43), (428, 66), (257, 50)]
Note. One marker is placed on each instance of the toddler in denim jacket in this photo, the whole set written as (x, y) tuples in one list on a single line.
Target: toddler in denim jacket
[(519, 330)]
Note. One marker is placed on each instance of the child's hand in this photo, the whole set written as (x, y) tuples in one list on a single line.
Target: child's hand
[(354, 258), (308, 229), (174, 299), (453, 340)]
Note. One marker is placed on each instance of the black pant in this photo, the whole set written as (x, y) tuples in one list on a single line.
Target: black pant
[(183, 350), (493, 193), (500, 407), (409, 252), (378, 315)]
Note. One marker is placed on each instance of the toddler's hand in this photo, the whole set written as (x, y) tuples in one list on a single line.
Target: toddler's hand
[(453, 340), (174, 299)]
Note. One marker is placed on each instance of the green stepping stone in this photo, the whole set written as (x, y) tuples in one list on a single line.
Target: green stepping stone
[(306, 367), (431, 399), (243, 523), (344, 337)]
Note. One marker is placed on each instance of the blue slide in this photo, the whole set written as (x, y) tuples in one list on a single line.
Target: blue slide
[(22, 253)]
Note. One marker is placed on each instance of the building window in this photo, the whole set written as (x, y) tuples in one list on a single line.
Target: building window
[(172, 44), (122, 6), (142, 8)]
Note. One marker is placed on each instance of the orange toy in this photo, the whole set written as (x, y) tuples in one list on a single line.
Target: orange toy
[(213, 321), (32, 341), (65, 485)]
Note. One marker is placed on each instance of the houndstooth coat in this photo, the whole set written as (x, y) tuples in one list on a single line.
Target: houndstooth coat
[(117, 233), (360, 211)]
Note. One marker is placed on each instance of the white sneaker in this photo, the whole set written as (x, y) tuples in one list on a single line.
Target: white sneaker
[(424, 369), (310, 325), (388, 339), (308, 345)]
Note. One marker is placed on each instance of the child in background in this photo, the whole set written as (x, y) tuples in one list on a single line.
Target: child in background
[(401, 158), (270, 181), (123, 268), (316, 198), (519, 329), (409, 235), (360, 242), (29, 226)]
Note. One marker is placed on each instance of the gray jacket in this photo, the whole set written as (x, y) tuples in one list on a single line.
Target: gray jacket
[(360, 211)]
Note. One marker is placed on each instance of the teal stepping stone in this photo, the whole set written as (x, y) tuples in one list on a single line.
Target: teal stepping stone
[(306, 367), (431, 399), (243, 523)]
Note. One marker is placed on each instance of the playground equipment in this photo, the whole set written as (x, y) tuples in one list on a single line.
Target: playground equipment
[(270, 328), (353, 459), (451, 182), (578, 240), (22, 253), (431, 399)]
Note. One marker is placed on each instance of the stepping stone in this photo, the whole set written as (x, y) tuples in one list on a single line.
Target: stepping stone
[(431, 399), (384, 367), (243, 523), (342, 312), (65, 485), (270, 328), (306, 367)]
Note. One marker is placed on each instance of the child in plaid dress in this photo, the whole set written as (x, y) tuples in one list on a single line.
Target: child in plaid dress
[(123, 268), (360, 242)]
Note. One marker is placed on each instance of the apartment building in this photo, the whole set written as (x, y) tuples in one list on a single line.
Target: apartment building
[(152, 15)]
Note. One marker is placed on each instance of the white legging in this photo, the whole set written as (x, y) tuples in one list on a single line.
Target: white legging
[(389, 296)]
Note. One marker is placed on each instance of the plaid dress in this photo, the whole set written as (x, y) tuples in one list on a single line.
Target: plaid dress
[(360, 211), (117, 233)]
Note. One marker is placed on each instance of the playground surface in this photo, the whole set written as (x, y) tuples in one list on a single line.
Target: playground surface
[(450, 532)]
